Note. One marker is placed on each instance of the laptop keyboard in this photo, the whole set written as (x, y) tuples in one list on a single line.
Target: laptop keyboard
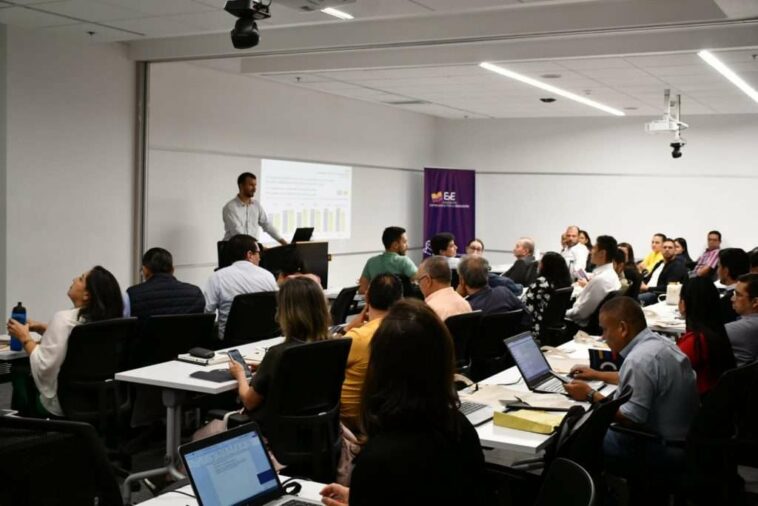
[(468, 407), (554, 385), (296, 502)]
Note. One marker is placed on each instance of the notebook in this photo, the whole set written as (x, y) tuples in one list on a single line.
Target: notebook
[(534, 368), (233, 468)]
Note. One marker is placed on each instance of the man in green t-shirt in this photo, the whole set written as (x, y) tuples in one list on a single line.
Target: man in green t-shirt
[(392, 261)]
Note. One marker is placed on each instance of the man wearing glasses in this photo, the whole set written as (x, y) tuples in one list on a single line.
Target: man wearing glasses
[(743, 333)]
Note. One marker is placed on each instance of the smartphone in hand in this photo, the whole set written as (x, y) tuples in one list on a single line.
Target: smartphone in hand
[(237, 357)]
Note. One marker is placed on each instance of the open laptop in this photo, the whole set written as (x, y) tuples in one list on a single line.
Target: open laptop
[(233, 468), (534, 368), (302, 234)]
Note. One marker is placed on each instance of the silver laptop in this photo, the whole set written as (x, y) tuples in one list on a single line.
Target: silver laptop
[(233, 468), (534, 368), (476, 412)]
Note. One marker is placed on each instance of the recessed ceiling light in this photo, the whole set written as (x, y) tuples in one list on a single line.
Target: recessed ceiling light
[(550, 76), (549, 87), (725, 71), (337, 13)]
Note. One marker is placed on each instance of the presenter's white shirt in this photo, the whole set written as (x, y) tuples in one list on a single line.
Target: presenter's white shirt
[(241, 218), (604, 281), (239, 278)]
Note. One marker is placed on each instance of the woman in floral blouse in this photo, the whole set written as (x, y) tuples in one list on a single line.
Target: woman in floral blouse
[(553, 274)]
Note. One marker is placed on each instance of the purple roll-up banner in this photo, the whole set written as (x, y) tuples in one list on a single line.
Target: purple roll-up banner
[(449, 205)]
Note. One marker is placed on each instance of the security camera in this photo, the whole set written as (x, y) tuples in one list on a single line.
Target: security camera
[(677, 145), (245, 33)]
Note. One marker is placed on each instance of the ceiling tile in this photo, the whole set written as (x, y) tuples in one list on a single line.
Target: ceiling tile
[(28, 18), (89, 10)]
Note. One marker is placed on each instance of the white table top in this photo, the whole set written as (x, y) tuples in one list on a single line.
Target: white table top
[(175, 374), (664, 317), (500, 268), (518, 441), (7, 354), (310, 491)]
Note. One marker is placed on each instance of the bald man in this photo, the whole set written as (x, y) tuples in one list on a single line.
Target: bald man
[(574, 252)]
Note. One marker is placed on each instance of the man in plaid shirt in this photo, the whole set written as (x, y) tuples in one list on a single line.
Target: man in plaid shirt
[(709, 260)]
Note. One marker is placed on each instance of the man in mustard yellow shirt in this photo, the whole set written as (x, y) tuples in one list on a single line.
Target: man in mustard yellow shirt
[(655, 256), (383, 291)]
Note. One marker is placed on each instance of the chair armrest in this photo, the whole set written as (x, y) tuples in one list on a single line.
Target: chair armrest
[(237, 419), (645, 435), (528, 464)]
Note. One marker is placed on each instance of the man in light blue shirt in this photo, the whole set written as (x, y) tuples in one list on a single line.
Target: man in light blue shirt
[(243, 276)]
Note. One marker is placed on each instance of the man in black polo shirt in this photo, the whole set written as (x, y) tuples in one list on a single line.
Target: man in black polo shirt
[(473, 284), (161, 293)]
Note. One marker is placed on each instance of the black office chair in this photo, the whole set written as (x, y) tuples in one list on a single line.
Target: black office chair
[(53, 463), (593, 324), (568, 484), (553, 327), (86, 389), (488, 352), (410, 289), (252, 318), (301, 417), (344, 305), (163, 337), (463, 328)]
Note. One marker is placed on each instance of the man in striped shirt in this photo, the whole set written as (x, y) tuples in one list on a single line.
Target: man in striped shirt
[(709, 260)]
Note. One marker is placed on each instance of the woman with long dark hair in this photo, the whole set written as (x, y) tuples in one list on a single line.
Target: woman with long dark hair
[(409, 413), (584, 238), (96, 296), (552, 274), (682, 253), (705, 342)]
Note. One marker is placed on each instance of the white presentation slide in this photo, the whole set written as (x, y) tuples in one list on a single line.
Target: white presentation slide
[(301, 194)]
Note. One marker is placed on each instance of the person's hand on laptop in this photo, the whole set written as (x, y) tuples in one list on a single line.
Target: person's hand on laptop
[(577, 390), (583, 372), (335, 495)]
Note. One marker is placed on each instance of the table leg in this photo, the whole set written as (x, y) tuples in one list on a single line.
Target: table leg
[(172, 399)]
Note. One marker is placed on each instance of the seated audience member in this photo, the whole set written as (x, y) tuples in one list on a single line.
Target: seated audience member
[(523, 269), (574, 252), (383, 291), (664, 398), (243, 276), (668, 270), (409, 413), (474, 272), (655, 255), (619, 263), (96, 296), (706, 265), (443, 244), (733, 263), (303, 317), (705, 343), (161, 293), (584, 238), (631, 272), (754, 261), (743, 333), (552, 274), (433, 279), (682, 253), (475, 248), (392, 261), (604, 281)]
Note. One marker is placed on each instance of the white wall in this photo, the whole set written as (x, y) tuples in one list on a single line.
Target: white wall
[(70, 152), (208, 126), (3, 186), (607, 175)]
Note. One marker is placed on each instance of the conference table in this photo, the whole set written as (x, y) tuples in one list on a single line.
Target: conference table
[(665, 318), (173, 378)]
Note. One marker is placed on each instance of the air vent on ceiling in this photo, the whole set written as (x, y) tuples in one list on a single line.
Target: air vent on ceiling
[(406, 102), (313, 5)]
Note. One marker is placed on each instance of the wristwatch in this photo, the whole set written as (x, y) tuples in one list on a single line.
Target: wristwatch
[(591, 395)]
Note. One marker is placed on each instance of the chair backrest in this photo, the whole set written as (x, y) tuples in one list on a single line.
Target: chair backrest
[(568, 484), (593, 325), (463, 328), (342, 305), (96, 352), (560, 301), (583, 441), (252, 317), (487, 349), (54, 463), (164, 337), (302, 407)]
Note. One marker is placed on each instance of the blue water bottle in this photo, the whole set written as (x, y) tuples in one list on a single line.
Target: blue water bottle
[(19, 314)]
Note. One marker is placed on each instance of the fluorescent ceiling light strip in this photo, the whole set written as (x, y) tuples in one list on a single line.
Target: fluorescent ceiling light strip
[(337, 13), (552, 89), (725, 71)]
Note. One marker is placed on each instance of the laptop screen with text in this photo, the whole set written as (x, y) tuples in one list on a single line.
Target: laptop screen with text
[(528, 357), (231, 471)]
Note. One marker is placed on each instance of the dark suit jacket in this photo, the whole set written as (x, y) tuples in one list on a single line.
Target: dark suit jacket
[(673, 272), (523, 271)]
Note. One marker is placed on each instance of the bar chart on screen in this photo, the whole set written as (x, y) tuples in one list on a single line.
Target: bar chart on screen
[(301, 194)]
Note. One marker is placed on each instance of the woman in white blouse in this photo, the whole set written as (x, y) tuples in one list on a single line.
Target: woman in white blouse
[(96, 296)]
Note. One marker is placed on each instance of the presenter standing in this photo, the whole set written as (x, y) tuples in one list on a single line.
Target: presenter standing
[(243, 215)]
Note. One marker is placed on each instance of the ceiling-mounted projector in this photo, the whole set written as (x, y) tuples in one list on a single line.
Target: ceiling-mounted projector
[(313, 5)]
